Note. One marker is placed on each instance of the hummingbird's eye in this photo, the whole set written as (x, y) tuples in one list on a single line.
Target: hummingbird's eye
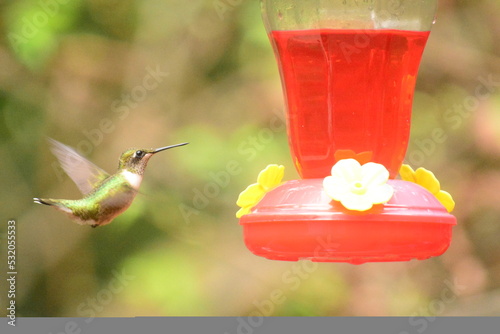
[(139, 154)]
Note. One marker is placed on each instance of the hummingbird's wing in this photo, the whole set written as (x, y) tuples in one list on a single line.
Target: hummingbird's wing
[(83, 172)]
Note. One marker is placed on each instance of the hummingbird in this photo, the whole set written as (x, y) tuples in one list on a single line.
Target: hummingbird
[(105, 196)]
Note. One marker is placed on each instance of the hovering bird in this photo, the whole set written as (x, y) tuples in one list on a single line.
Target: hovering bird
[(105, 196)]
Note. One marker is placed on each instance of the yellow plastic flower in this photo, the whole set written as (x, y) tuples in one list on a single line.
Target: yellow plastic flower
[(269, 178), (358, 187), (426, 179)]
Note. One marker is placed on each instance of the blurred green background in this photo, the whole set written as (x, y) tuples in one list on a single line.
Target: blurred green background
[(106, 75)]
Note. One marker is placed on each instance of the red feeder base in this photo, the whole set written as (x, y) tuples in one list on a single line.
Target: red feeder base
[(297, 220)]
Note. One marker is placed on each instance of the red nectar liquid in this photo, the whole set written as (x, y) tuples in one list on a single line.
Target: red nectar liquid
[(348, 90)]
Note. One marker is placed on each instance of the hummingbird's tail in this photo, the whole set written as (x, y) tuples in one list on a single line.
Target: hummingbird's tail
[(56, 203), (43, 201)]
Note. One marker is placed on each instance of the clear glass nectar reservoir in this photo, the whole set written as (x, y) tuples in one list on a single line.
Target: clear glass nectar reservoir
[(348, 70)]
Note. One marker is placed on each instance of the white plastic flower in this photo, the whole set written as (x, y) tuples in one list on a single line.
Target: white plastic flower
[(358, 187)]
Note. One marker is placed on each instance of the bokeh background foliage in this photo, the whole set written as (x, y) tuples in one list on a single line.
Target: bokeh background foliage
[(106, 75)]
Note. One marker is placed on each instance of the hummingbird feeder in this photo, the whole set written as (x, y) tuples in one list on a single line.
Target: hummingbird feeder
[(348, 70)]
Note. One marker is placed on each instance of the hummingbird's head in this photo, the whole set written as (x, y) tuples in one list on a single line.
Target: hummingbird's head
[(135, 160)]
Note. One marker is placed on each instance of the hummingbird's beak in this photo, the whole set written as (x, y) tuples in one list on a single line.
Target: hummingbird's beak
[(167, 147)]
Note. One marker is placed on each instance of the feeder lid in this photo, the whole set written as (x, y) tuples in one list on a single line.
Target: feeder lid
[(306, 197)]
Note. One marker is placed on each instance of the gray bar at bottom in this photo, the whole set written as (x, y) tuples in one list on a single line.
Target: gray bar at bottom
[(253, 325)]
